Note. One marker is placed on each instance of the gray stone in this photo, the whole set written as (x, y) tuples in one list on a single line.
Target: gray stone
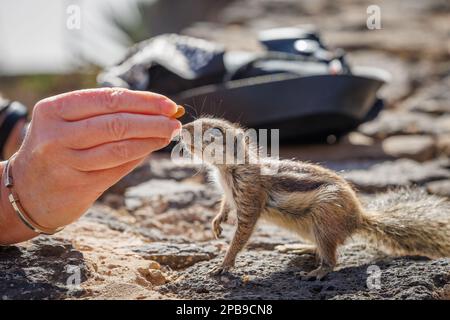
[(156, 168), (398, 173), (175, 194), (271, 275), (434, 99), (41, 269), (400, 84), (176, 256), (390, 123), (416, 147), (160, 187), (441, 188), (268, 237), (443, 144)]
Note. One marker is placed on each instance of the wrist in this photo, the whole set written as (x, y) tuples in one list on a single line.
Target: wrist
[(15, 139), (12, 229)]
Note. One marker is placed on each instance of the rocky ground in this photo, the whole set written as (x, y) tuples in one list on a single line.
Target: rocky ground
[(149, 237)]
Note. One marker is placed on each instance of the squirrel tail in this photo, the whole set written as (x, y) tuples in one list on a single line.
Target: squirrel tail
[(409, 222)]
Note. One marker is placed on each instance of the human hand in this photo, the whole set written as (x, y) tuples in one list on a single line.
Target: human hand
[(78, 145)]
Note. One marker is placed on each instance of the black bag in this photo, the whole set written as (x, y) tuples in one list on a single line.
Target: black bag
[(297, 85)]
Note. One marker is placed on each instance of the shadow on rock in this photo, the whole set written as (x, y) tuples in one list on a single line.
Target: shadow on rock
[(268, 275), (45, 268)]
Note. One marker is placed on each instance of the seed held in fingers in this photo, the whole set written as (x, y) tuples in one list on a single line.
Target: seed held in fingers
[(180, 112)]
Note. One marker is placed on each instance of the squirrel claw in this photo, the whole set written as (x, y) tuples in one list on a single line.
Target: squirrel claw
[(317, 274), (217, 229), (305, 276), (218, 270)]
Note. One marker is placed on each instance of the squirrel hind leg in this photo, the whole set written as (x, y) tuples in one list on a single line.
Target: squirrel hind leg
[(326, 251), (327, 256)]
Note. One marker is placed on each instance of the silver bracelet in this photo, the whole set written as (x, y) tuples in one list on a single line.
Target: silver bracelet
[(18, 209)]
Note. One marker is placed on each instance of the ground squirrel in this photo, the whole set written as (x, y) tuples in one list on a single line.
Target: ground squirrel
[(314, 202)]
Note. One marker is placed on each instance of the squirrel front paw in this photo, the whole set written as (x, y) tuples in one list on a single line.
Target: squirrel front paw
[(216, 228)]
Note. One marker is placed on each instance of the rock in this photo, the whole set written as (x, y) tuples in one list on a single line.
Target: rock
[(350, 148), (176, 256), (441, 188), (45, 268), (159, 187), (133, 203), (443, 144), (157, 168), (443, 124), (154, 276), (154, 265), (432, 106), (434, 99), (400, 84), (390, 123), (393, 41), (398, 173), (416, 147), (113, 200), (271, 275), (175, 194), (103, 215), (269, 237)]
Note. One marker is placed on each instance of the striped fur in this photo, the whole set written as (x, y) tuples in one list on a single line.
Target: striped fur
[(322, 208)]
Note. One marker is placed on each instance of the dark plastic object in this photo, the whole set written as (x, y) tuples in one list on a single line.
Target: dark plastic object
[(305, 108), (297, 85)]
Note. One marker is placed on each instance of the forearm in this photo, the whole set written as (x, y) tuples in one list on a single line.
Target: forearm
[(224, 209), (12, 229)]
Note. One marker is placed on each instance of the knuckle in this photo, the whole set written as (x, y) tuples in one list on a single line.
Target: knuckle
[(86, 125), (117, 127), (120, 150), (41, 108), (111, 98), (72, 134)]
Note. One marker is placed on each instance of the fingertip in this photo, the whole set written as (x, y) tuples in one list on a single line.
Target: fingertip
[(168, 107), (176, 125), (162, 143)]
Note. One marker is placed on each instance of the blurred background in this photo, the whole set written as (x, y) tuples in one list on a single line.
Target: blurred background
[(42, 52), (41, 55)]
